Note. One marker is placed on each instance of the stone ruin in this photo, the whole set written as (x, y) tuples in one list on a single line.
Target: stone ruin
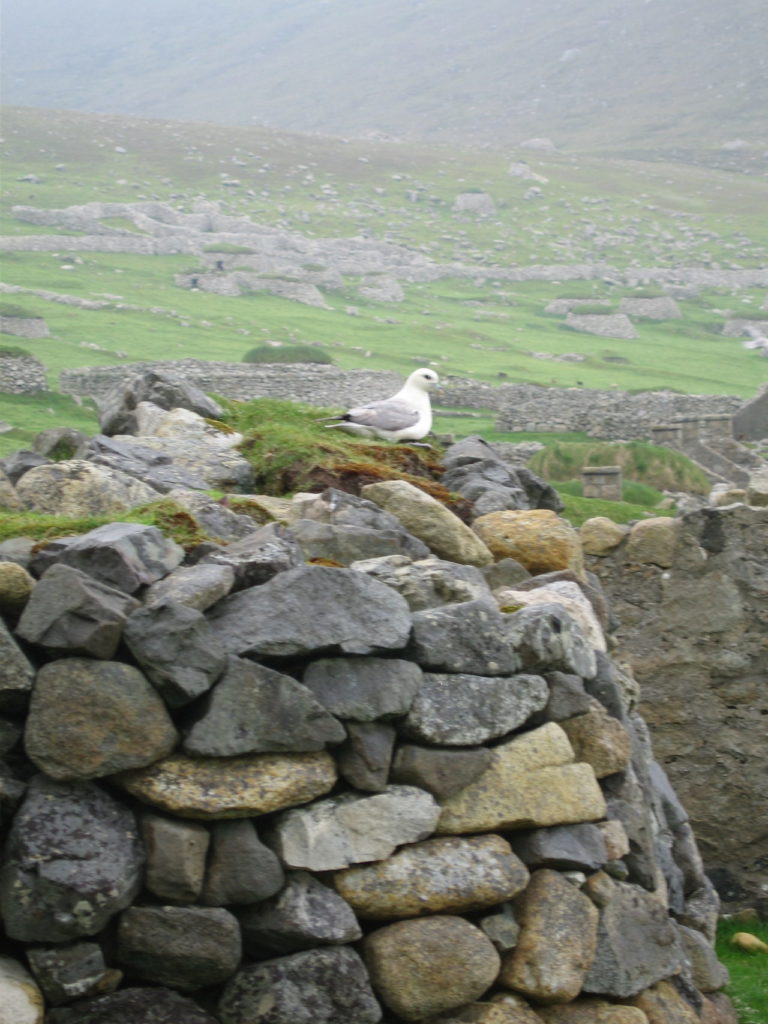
[(360, 764)]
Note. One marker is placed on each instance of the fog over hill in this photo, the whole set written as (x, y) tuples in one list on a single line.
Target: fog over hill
[(682, 77)]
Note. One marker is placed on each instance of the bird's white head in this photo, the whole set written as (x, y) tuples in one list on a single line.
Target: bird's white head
[(424, 379)]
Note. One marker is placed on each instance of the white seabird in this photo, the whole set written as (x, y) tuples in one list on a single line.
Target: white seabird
[(406, 416)]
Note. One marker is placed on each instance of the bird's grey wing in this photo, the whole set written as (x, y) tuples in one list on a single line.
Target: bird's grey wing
[(385, 415)]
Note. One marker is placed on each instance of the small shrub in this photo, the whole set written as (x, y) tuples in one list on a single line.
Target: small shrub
[(287, 354), (14, 310), (14, 352)]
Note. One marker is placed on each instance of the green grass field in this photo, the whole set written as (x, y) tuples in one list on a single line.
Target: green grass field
[(748, 986)]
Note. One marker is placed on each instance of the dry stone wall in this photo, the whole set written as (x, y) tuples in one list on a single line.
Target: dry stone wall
[(607, 414), (690, 596), (241, 788), (21, 375)]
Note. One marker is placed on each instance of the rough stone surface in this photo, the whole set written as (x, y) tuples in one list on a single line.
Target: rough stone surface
[(319, 986), (437, 876), (118, 407), (601, 535), (70, 613), (253, 709), (177, 648), (365, 757), (93, 718), (364, 689), (424, 517), (185, 947), (663, 1004), (234, 787), (305, 913), (313, 608), (73, 860), (636, 944), (565, 593), (653, 541), (545, 637), (123, 555), (76, 487), (537, 538), (600, 740), (16, 674), (131, 1006), (196, 586), (531, 781), (430, 582), (176, 852), (462, 710), (431, 965), (15, 587), (72, 971), (694, 634), (469, 637), (440, 772), (558, 934), (566, 848), (259, 556), (241, 869), (349, 829)]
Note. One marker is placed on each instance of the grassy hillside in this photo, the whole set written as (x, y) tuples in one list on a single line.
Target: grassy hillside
[(622, 212), (640, 78)]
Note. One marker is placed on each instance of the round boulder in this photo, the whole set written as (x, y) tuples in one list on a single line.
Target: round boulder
[(428, 966), (536, 538)]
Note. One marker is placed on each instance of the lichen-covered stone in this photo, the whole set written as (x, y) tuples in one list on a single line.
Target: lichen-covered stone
[(352, 828), (600, 740), (591, 1011), (558, 934), (15, 587), (428, 966), (92, 718), (463, 709), (600, 535), (532, 781), (318, 986), (536, 538), (437, 876), (231, 787), (663, 1004), (73, 859), (305, 913)]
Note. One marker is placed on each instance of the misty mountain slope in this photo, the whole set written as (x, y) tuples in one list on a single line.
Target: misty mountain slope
[(679, 75)]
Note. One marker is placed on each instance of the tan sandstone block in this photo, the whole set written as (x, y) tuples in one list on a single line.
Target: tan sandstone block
[(426, 518), (615, 839), (599, 739), (437, 876), (429, 966), (601, 535), (653, 541), (231, 787), (663, 1004), (558, 937), (531, 781), (537, 538)]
